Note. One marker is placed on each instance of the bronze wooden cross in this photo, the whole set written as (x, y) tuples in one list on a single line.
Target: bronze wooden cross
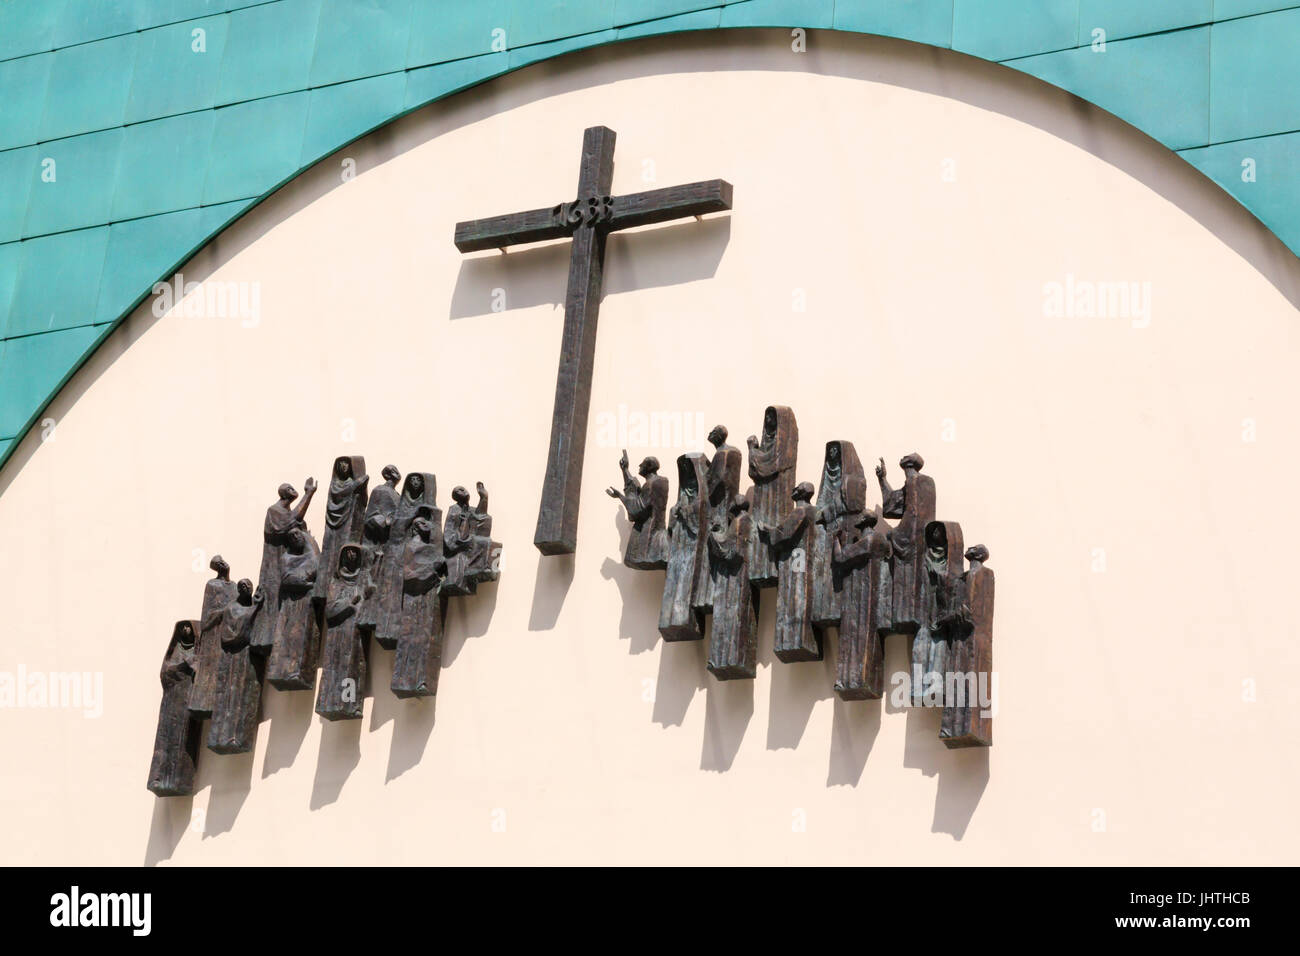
[(587, 220)]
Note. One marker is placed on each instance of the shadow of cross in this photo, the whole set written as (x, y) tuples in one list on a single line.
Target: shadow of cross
[(587, 220)]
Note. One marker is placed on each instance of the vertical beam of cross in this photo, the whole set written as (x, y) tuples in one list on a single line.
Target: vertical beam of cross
[(588, 220)]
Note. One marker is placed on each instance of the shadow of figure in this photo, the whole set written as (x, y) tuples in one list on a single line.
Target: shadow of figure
[(795, 688), (467, 617), (963, 774), (379, 677), (681, 674), (550, 588), (728, 707), (667, 255), (854, 727), (231, 776), (340, 752), (642, 593), (171, 817), (411, 732), (290, 713)]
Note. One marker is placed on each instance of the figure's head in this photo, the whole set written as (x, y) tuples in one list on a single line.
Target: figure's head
[(869, 519), (718, 435), (349, 558), (185, 633), (391, 474), (297, 541), (912, 462), (833, 453), (218, 564), (423, 527), (977, 553), (245, 589), (936, 537), (649, 466), (415, 485), (769, 421), (287, 493), (460, 495), (738, 505), (803, 491), (343, 468)]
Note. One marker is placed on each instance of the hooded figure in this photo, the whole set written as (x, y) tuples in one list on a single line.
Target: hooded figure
[(789, 542), (945, 616), (418, 491), (841, 500), (292, 665), (914, 504), (176, 744), (688, 524), (380, 513), (861, 561), (281, 518), (646, 505), (467, 542), (771, 468), (419, 643), (968, 722), (233, 729), (345, 657), (217, 593), (344, 515), (723, 486), (733, 640)]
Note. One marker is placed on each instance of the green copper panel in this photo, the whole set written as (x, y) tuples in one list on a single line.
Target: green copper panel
[(339, 114), (255, 147), (357, 38), (163, 165), (85, 20), (433, 82), (532, 22), (1263, 174), (1125, 18), (177, 68), (58, 282), (140, 253), (449, 29), (925, 21), (17, 171), (10, 255), (23, 83), (28, 27), (1159, 83), (82, 172), (37, 365), (1002, 29), (699, 20), (1255, 76), (88, 87), (779, 13), (269, 50)]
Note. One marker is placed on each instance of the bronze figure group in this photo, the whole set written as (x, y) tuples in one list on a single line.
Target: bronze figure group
[(835, 565), (386, 568)]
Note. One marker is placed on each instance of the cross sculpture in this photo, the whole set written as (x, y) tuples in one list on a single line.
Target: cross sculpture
[(587, 220)]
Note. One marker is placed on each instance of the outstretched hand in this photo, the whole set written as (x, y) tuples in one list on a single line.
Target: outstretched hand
[(880, 469)]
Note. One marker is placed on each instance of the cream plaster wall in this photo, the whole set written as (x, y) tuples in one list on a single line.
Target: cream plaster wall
[(566, 731)]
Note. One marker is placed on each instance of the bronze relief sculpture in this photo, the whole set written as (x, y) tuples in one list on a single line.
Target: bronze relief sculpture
[(837, 566), (388, 570)]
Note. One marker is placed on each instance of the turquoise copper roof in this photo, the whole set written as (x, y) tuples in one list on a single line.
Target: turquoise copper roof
[(109, 109)]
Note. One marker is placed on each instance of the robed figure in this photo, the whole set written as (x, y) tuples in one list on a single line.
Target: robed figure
[(733, 639), (945, 616), (375, 530), (419, 643), (646, 502), (418, 491), (968, 722), (345, 513), (688, 524), (345, 657), (914, 505), (176, 744), (292, 665), (217, 593), (841, 499), (281, 518), (472, 555), (789, 543), (723, 486), (233, 729), (771, 468), (860, 557)]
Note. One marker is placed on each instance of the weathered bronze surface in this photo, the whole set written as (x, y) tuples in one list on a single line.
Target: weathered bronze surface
[(733, 637), (471, 555), (646, 503), (418, 491), (419, 643), (375, 532), (217, 593), (176, 744), (837, 567), (688, 527), (292, 665), (345, 659), (772, 460), (281, 518), (587, 220), (345, 513), (233, 728)]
